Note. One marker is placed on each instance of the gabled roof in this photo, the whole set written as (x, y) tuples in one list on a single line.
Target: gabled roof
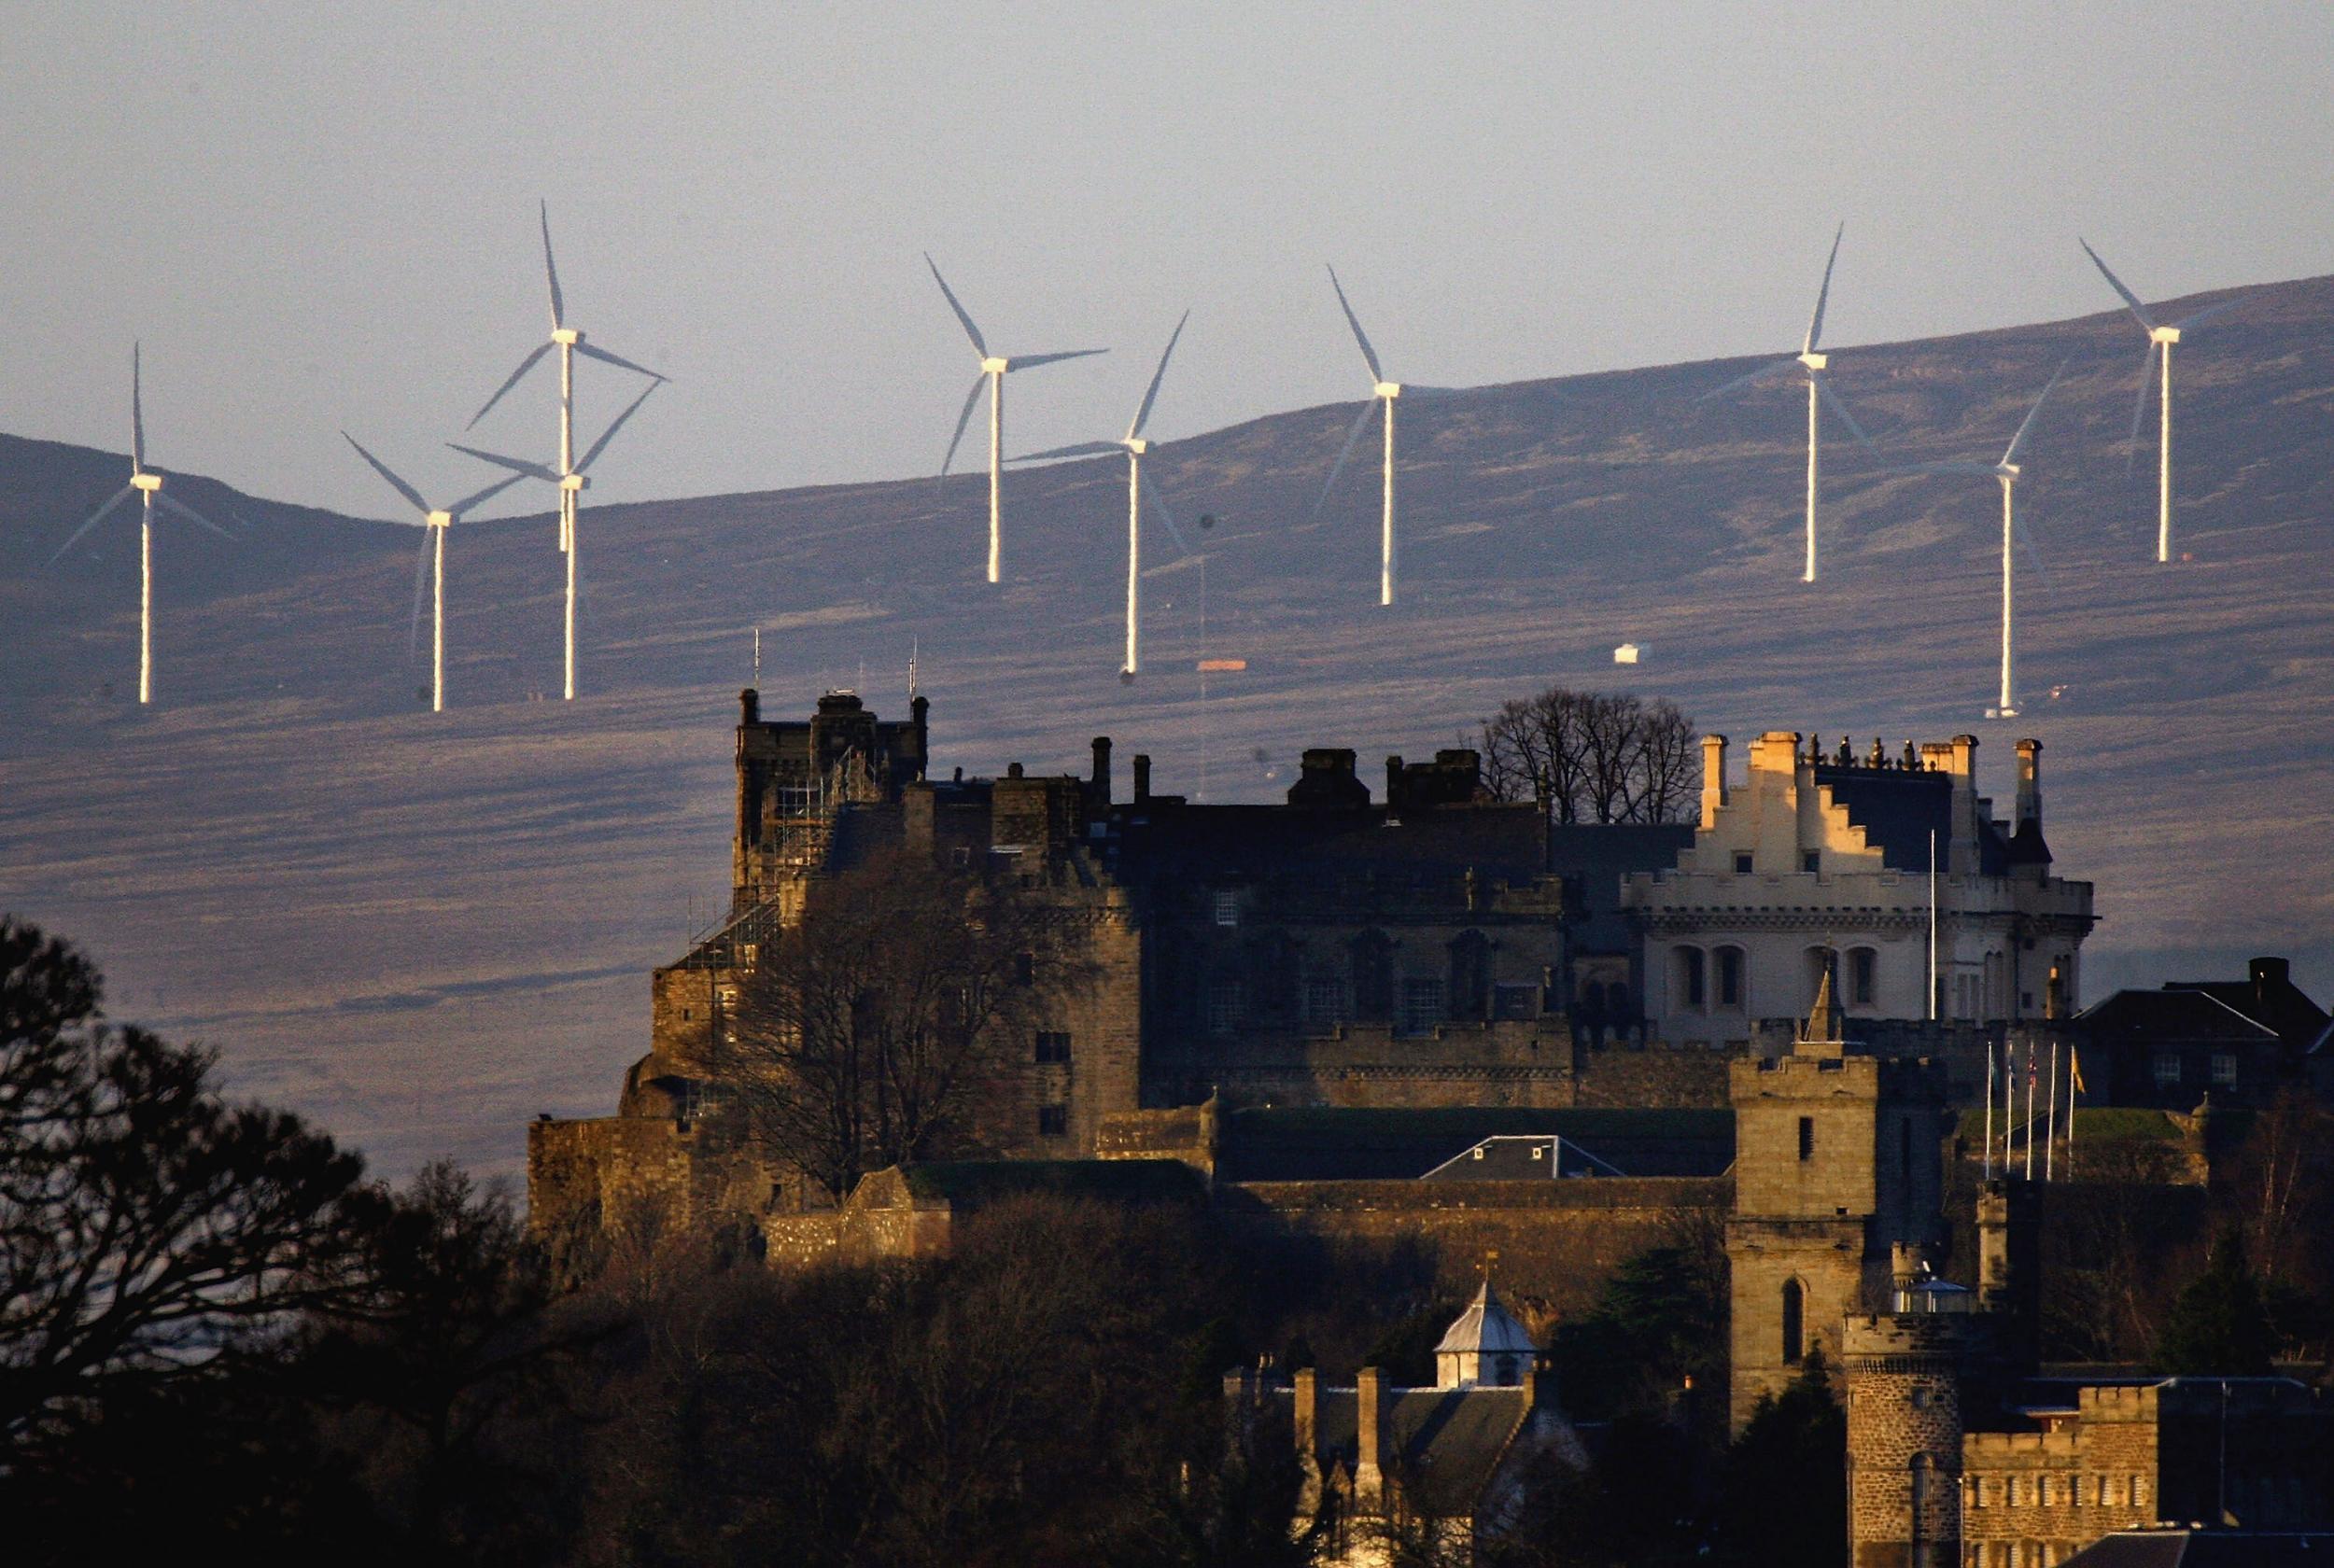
[(1444, 1444), (1485, 1329), (2169, 1015), (1521, 1157), (2204, 1548), (2281, 1007)]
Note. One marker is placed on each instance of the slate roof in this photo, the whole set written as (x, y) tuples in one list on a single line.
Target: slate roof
[(2145, 1017), (1501, 842), (2204, 1548), (2281, 1007), (1595, 855), (1521, 1157), (1897, 810), (1485, 1329), (1449, 1441), (1320, 1144)]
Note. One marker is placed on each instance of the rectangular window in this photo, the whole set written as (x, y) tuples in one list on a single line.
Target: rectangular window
[(2167, 1066), (1226, 1005), (1807, 1138), (1730, 977), (1863, 972), (1053, 1045), (1422, 1005), (1053, 1121), (1812, 862), (2224, 1068), (1227, 909), (1325, 1000), (1742, 864), (1697, 991)]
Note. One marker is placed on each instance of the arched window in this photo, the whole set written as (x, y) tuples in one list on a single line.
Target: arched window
[(1693, 979), (1863, 977), (1794, 1323), (1372, 958), (1732, 985), (1471, 975)]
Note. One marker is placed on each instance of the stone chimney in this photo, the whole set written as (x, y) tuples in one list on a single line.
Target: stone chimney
[(1713, 778), (2028, 784), (920, 712), (1394, 783), (749, 707), (1963, 766), (1540, 1386), (1308, 1438), (1102, 770), (1369, 1435)]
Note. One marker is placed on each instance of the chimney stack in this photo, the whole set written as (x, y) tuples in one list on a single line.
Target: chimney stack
[(1102, 770), (1713, 778), (1308, 1413), (1142, 775), (2028, 784), (1966, 810), (1369, 1418), (749, 707)]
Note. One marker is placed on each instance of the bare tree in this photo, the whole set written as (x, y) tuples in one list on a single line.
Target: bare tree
[(868, 1034), (1592, 757)]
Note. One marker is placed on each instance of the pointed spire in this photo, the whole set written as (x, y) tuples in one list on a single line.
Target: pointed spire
[(1822, 1026)]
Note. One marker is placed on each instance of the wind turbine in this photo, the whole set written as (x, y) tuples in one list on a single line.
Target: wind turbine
[(1381, 392), (2007, 472), (569, 342), (2160, 339), (1819, 393), (994, 367), (434, 522), (1138, 489), (147, 486), (572, 480)]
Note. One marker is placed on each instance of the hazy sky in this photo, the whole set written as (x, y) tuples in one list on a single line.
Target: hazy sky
[(319, 216)]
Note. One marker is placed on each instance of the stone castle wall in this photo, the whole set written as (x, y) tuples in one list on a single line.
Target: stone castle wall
[(2063, 1488)]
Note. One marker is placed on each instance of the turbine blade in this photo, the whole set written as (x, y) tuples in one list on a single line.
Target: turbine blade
[(1082, 449), (1158, 510), (2139, 403), (1360, 421), (421, 578), (169, 503), (1815, 326), (980, 344), (962, 420), (1831, 402), (1947, 468), (1355, 322), (95, 518), (1031, 362), (2130, 298), (1158, 375), (2208, 313), (530, 470), (138, 413), (525, 365), (1776, 368), (482, 497), (2034, 556), (2018, 440), (551, 269), (592, 352), (617, 424), (383, 470)]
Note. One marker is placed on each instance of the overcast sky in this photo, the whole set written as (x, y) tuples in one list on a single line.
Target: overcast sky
[(324, 215)]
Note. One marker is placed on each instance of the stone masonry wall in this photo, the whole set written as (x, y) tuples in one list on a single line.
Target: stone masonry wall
[(2061, 1489)]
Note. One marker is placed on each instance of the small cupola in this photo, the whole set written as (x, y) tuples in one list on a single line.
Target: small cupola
[(1484, 1346)]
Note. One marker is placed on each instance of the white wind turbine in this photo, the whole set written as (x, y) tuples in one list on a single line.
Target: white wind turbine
[(2007, 472), (1819, 393), (1138, 489), (573, 480), (994, 367), (2160, 339), (569, 342), (434, 522), (1382, 393), (149, 487)]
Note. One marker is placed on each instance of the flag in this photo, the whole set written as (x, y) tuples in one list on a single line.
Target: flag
[(2074, 1071)]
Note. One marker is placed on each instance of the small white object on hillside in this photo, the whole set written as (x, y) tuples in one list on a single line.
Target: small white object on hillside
[(1628, 653)]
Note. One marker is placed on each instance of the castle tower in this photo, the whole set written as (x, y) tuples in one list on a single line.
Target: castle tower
[(1837, 1160), (1903, 1374)]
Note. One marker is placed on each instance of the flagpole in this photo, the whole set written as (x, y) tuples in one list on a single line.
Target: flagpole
[(1933, 925), (1988, 1110), (2051, 1147), (2030, 1110)]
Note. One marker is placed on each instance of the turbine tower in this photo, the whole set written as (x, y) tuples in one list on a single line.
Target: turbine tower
[(1138, 489), (147, 486), (569, 342), (994, 367), (572, 480), (1819, 394), (2007, 472), (433, 524), (1381, 392), (2159, 341)]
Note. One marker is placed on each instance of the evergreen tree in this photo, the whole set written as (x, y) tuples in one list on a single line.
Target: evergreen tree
[(1783, 1499), (2219, 1326)]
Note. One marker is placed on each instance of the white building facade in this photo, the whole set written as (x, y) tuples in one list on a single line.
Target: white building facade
[(1820, 862)]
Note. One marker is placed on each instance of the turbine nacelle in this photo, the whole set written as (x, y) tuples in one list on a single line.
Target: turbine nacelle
[(567, 335), (146, 481), (575, 482), (1136, 445), (1815, 361), (2163, 334), (991, 364), (1389, 389), (437, 520)]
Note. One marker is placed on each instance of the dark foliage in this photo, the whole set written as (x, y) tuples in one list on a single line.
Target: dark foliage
[(2219, 1326), (1783, 1499)]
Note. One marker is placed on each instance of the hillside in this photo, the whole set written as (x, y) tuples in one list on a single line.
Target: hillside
[(425, 930)]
